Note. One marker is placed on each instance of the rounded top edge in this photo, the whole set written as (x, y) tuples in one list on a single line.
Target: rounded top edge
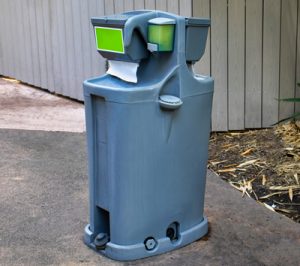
[(162, 21)]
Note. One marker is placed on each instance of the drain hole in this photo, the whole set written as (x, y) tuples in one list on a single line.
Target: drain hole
[(173, 231)]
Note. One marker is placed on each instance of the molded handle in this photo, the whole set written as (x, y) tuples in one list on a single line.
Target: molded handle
[(169, 102)]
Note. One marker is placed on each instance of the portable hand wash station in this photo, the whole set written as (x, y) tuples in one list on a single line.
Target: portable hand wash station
[(148, 123)]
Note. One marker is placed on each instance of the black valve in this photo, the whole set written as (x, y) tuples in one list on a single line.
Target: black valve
[(101, 241)]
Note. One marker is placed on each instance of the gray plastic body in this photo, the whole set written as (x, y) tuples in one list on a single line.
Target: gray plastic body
[(147, 162)]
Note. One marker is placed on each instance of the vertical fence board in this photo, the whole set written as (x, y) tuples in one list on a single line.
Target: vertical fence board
[(219, 63), (62, 70), (2, 41), (56, 45), (96, 8), (1, 44), (236, 62), (17, 39), (69, 52), (288, 56), (201, 8), (85, 36), (10, 40), (150, 4), (161, 5), (128, 5), (8, 52), (78, 48), (41, 44), (4, 38), (119, 6), (17, 35), (65, 50), (94, 63), (109, 7), (185, 8), (9, 37), (139, 4), (47, 30), (271, 60), (253, 90), (28, 64), (297, 92), (34, 44), (13, 29), (173, 6)]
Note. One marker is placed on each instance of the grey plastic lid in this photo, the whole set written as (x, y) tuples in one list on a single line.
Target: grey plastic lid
[(115, 20), (197, 22), (162, 21)]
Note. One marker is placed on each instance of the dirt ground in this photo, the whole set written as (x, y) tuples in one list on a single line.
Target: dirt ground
[(263, 164)]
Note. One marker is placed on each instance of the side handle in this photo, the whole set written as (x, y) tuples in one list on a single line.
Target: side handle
[(169, 102)]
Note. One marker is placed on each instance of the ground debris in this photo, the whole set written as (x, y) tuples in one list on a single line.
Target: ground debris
[(263, 164)]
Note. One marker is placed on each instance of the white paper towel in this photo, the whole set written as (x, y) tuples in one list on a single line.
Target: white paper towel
[(123, 70)]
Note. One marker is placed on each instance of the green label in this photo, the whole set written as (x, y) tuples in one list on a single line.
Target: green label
[(109, 39)]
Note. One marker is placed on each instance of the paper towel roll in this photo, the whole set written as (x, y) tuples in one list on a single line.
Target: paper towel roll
[(123, 70)]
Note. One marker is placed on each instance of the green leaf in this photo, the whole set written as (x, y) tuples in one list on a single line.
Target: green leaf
[(290, 117), (290, 100)]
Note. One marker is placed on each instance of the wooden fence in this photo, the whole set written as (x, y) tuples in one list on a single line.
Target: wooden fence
[(252, 50)]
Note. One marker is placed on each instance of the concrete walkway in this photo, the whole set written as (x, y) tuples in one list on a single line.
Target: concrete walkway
[(24, 107), (44, 197)]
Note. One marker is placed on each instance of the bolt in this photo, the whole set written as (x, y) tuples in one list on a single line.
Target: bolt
[(150, 243)]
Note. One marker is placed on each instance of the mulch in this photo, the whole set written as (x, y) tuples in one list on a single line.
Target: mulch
[(263, 164)]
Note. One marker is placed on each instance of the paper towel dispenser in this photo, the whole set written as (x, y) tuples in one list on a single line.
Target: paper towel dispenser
[(123, 37)]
